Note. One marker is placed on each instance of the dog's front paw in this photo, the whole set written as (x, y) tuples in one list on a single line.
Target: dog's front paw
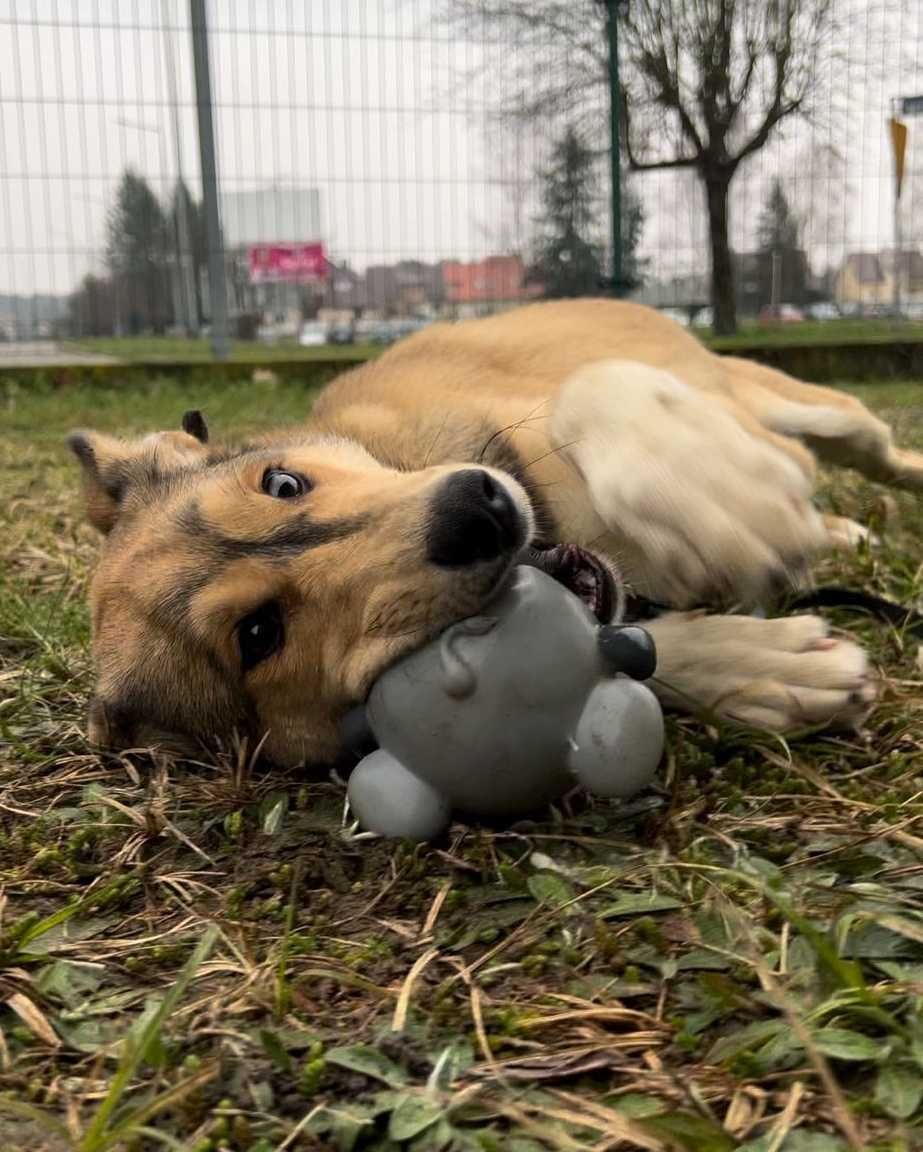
[(783, 675)]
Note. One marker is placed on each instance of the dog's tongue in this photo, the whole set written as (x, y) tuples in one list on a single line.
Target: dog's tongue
[(579, 571)]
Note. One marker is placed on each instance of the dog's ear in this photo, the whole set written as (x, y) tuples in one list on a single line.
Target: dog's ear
[(112, 467), (106, 466), (194, 425)]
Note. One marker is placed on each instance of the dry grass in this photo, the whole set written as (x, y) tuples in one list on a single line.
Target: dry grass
[(199, 957)]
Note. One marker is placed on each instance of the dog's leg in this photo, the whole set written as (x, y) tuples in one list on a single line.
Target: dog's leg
[(781, 675), (699, 506), (847, 533), (838, 427)]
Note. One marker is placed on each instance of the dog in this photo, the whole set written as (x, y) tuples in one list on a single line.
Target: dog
[(261, 590)]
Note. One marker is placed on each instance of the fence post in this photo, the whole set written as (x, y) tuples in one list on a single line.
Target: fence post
[(217, 273), (617, 282)]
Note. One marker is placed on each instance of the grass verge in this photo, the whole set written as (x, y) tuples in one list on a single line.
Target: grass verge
[(201, 957)]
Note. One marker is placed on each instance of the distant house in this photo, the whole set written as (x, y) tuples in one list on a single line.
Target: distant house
[(483, 286), (405, 288), (862, 280), (867, 278), (909, 266)]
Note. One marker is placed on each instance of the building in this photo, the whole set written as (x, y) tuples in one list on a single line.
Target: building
[(485, 286), (861, 281), (867, 279), (404, 289), (274, 214)]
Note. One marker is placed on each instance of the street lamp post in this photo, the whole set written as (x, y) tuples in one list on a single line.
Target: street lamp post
[(613, 9)]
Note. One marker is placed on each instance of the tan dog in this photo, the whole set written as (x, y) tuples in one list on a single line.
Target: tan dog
[(264, 589)]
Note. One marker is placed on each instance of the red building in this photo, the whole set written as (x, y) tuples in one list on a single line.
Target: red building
[(486, 285)]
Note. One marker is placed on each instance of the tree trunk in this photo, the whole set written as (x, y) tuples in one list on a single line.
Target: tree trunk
[(717, 185)]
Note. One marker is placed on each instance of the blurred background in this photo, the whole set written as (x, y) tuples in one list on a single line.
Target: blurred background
[(379, 164)]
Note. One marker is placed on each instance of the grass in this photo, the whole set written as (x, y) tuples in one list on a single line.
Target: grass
[(154, 349), (199, 957), (845, 331)]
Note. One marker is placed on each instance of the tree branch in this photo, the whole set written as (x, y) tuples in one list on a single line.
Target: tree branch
[(650, 165)]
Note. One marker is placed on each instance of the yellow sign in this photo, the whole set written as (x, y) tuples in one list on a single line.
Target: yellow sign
[(899, 141)]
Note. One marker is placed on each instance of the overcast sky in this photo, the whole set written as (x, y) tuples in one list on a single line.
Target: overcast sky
[(391, 118)]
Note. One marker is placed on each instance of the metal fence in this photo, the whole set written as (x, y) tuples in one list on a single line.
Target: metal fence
[(382, 162)]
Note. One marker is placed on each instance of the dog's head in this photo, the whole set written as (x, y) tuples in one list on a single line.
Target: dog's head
[(263, 591)]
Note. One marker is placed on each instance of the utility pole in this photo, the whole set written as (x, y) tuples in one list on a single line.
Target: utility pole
[(184, 250), (217, 278), (617, 284)]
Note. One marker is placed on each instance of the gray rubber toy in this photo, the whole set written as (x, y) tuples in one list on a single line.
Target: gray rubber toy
[(504, 713)]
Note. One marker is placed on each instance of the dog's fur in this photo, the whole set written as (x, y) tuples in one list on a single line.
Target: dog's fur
[(606, 424)]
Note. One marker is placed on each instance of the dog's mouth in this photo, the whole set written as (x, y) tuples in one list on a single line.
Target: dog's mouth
[(590, 579)]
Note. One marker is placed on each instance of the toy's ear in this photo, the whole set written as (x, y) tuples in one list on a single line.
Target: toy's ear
[(459, 674), (112, 467)]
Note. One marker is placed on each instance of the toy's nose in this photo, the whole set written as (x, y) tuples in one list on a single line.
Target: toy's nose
[(628, 649), (472, 518)]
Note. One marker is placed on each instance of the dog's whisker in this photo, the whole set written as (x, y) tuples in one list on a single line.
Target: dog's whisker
[(550, 452), (512, 428), (432, 446)]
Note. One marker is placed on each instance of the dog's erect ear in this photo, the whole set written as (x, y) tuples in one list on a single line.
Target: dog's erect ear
[(111, 467), (106, 466), (194, 424)]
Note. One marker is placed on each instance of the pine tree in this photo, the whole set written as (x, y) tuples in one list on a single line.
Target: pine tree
[(783, 262), (136, 252), (568, 261), (193, 243)]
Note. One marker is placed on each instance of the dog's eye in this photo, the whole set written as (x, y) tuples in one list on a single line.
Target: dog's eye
[(284, 485), (259, 635)]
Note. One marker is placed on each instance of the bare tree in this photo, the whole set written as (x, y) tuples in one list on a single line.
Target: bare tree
[(705, 82), (723, 74)]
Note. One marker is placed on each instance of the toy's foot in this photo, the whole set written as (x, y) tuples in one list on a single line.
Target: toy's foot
[(388, 799), (619, 739)]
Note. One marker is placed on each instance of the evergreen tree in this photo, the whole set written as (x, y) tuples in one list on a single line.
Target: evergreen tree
[(783, 264), (193, 243), (568, 261), (136, 251)]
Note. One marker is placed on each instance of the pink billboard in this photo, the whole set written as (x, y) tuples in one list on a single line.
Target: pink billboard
[(297, 263)]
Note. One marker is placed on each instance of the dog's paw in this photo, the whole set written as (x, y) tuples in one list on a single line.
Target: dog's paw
[(700, 506), (782, 675)]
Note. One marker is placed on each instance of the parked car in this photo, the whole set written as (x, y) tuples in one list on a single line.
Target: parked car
[(341, 334), (784, 314), (823, 310), (312, 334), (382, 333), (679, 315)]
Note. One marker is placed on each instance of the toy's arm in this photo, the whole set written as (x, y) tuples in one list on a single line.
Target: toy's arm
[(618, 741), (386, 798), (628, 649)]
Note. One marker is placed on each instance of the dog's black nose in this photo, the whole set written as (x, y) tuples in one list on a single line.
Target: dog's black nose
[(472, 518)]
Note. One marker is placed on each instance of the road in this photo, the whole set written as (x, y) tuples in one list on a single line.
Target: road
[(37, 353)]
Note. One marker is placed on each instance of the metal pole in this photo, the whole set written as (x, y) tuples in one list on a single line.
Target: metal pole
[(896, 266), (188, 316), (217, 279), (615, 158)]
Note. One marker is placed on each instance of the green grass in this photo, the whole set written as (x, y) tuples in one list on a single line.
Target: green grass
[(156, 349), (198, 957), (845, 331)]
